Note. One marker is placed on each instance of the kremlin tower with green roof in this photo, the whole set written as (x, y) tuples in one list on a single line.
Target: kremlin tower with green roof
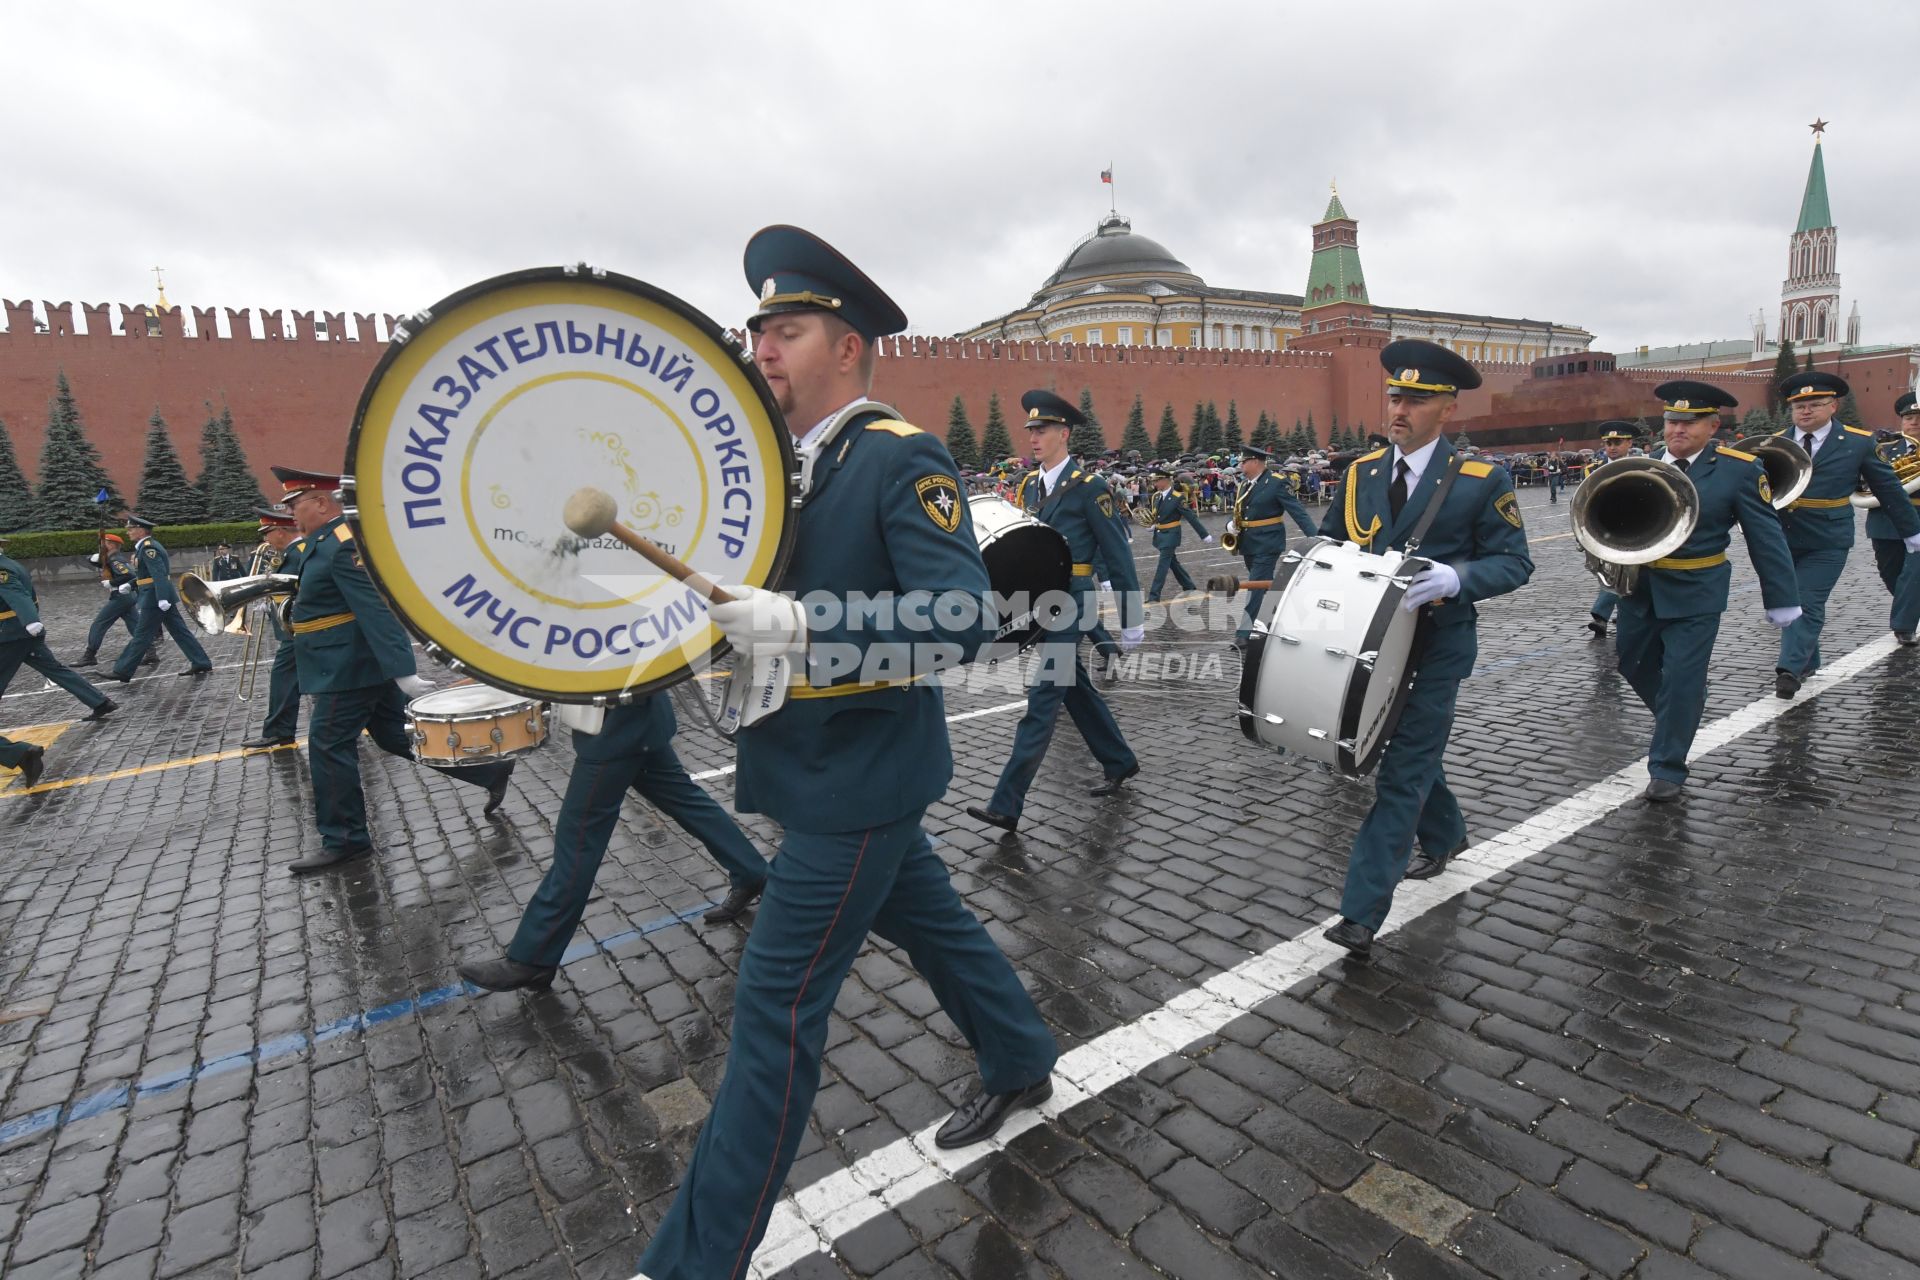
[(1810, 295)]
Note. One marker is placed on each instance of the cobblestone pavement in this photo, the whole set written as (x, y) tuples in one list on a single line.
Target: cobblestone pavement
[(1615, 1041)]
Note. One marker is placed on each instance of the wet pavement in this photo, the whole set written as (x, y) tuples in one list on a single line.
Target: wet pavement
[(1615, 1040)]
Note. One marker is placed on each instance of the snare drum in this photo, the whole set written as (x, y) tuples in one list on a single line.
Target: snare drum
[(1027, 561), (475, 724), (1328, 676)]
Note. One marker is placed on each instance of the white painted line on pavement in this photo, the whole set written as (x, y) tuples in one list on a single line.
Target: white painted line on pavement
[(809, 1220)]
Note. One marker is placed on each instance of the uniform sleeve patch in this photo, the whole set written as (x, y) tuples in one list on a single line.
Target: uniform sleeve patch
[(1508, 505), (1479, 469), (940, 498), (153, 553), (1105, 503), (1766, 490), (343, 532)]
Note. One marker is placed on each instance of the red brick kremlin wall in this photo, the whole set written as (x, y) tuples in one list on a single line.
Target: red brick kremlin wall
[(293, 397)]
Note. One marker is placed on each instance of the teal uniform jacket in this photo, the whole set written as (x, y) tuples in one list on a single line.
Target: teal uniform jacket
[(154, 581), (335, 591), (1880, 521), (1262, 517), (1168, 511), (886, 518), (1732, 489), (19, 606), (1081, 509), (1822, 518), (1477, 532)]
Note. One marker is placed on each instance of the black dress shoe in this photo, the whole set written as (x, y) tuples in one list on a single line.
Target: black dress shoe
[(1905, 639), (497, 793), (1425, 866), (266, 740), (151, 660), (196, 671), (1112, 785), (32, 767), (115, 675), (1006, 822), (738, 899), (85, 660), (1356, 938), (1597, 625), (326, 859), (104, 710), (508, 975), (980, 1117), (1785, 684), (1662, 791)]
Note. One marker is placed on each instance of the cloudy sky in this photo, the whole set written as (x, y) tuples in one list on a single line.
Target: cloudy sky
[(1634, 168)]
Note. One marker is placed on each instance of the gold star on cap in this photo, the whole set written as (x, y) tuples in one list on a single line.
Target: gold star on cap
[(1409, 375)]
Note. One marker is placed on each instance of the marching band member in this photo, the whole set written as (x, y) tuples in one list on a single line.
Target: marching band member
[(158, 603), (1260, 519), (120, 572), (354, 659), (1670, 619), (1898, 570), (23, 641), (1466, 521), (849, 765), (1819, 524), (288, 549), (631, 751), (1169, 509), (1616, 442), (1076, 503)]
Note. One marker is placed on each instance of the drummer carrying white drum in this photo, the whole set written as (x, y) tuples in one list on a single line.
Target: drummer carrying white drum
[(1465, 520)]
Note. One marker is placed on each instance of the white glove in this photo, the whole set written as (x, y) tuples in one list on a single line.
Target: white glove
[(1233, 526), (1132, 638), (94, 558), (1207, 541), (125, 589), (109, 586), (1784, 618), (413, 686), (761, 623), (36, 629), (1913, 543), (165, 605), (1434, 583), (1106, 584)]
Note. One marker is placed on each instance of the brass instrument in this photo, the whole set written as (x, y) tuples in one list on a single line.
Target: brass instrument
[(1631, 512), (1789, 469), (216, 606), (1906, 469), (1230, 540)]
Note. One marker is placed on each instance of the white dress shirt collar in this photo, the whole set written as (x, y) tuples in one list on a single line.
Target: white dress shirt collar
[(1819, 437), (812, 438), (1416, 462), (1050, 476)]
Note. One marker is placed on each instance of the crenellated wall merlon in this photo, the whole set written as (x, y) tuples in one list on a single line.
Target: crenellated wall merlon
[(922, 347), (101, 321)]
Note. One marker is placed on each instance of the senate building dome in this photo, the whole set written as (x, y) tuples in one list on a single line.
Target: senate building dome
[(1114, 250)]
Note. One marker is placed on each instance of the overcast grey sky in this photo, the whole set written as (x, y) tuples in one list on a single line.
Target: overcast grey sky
[(1634, 168)]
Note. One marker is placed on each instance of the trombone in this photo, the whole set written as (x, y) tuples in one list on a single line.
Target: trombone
[(216, 606)]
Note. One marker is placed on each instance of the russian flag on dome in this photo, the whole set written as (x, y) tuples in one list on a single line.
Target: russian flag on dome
[(1106, 175)]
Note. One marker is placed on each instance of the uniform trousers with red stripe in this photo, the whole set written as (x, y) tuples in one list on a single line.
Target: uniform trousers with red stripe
[(825, 893)]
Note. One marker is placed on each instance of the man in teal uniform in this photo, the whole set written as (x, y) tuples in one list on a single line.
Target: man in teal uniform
[(1899, 570), (23, 641), (632, 750), (158, 605), (1819, 524), (849, 765), (1076, 503), (355, 661), (288, 549), (1468, 525), (1670, 619), (1260, 517), (1105, 647), (120, 600), (1616, 441), (1169, 509)]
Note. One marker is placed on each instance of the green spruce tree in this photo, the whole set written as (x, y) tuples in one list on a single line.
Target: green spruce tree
[(1756, 422), (1461, 442), (960, 442), (1215, 432), (1783, 368), (1197, 429), (166, 494), (1088, 440), (16, 495), (1849, 413), (70, 470), (1808, 366), (1233, 441), (1135, 438), (228, 490), (1167, 443), (1333, 429), (995, 444)]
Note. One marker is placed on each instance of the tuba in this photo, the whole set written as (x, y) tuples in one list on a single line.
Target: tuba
[(1906, 469), (1789, 469), (1631, 512)]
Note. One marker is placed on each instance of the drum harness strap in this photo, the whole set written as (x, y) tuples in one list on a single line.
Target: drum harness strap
[(1365, 538)]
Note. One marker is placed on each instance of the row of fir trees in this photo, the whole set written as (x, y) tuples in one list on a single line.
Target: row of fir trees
[(72, 478), (1206, 433)]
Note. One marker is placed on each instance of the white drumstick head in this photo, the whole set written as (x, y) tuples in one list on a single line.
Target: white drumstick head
[(590, 512)]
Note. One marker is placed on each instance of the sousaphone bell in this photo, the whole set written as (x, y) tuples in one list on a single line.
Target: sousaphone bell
[(1631, 512)]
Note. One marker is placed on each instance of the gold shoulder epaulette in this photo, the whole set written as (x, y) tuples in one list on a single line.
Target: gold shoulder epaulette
[(343, 532), (1477, 469), (1861, 431), (894, 427), (1369, 457), (1735, 453)]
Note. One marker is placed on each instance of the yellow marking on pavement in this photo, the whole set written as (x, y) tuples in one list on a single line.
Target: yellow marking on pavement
[(61, 784), (39, 735)]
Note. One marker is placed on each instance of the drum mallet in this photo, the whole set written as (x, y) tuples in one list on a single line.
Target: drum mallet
[(1226, 584), (590, 513)]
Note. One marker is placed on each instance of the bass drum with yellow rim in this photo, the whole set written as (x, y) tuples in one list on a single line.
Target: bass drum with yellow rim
[(495, 405)]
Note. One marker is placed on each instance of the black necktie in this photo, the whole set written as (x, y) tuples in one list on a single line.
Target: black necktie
[(1806, 442), (1397, 492), (1684, 463)]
